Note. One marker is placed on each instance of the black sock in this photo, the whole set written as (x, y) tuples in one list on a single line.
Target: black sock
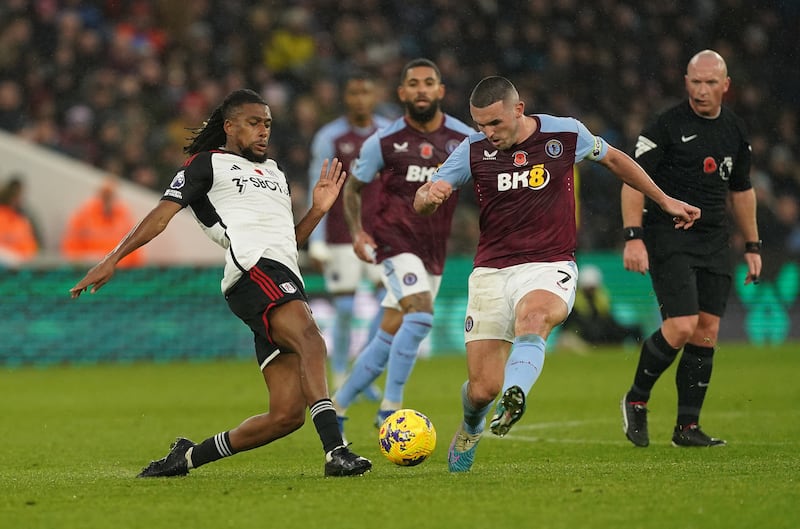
[(656, 356), (212, 449), (691, 379), (324, 416)]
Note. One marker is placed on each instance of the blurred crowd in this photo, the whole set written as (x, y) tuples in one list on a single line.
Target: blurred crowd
[(118, 83)]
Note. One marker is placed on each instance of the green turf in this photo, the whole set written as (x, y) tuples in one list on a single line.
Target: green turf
[(74, 438)]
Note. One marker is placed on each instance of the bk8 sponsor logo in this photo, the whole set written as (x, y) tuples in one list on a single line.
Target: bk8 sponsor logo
[(415, 173), (536, 177)]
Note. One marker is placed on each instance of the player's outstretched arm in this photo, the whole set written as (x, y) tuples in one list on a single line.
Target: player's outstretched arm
[(325, 192), (148, 228), (363, 244), (626, 169)]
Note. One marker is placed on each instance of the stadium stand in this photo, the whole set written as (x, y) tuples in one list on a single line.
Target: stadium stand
[(114, 84)]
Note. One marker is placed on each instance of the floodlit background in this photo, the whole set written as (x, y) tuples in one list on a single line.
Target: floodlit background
[(90, 89)]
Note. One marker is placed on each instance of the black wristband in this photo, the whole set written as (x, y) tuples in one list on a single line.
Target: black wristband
[(752, 247), (633, 232)]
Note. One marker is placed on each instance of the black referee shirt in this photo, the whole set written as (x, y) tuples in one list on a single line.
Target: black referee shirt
[(697, 160)]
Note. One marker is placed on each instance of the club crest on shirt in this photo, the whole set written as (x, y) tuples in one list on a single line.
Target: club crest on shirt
[(726, 168), (469, 323), (409, 279), (451, 146), (288, 287), (554, 148)]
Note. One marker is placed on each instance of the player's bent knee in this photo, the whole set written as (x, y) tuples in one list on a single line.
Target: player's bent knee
[(288, 421), (484, 392)]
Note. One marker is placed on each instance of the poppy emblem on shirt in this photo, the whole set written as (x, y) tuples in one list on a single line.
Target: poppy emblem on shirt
[(520, 158), (259, 171), (426, 150), (554, 148), (409, 279), (709, 165)]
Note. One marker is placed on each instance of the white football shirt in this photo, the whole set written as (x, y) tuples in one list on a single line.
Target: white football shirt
[(243, 206)]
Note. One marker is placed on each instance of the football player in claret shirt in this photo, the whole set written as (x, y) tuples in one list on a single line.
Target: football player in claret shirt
[(524, 277), (410, 249), (330, 246)]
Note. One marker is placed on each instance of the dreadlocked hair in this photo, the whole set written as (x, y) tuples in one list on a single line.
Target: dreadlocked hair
[(212, 134)]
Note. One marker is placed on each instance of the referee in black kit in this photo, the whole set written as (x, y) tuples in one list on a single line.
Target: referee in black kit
[(696, 151)]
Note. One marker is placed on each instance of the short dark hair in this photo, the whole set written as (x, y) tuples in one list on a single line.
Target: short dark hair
[(212, 134), (491, 90), (238, 98), (355, 75), (416, 63), (358, 75)]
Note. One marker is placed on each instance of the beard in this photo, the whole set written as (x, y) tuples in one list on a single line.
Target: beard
[(248, 154), (422, 116)]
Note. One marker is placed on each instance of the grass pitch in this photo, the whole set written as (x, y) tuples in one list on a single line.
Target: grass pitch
[(73, 438)]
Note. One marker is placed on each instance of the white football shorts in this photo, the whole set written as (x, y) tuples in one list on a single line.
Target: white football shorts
[(344, 271), (404, 275), (495, 292)]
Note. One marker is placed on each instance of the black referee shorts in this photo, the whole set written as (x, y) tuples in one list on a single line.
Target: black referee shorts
[(686, 284), (265, 286)]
